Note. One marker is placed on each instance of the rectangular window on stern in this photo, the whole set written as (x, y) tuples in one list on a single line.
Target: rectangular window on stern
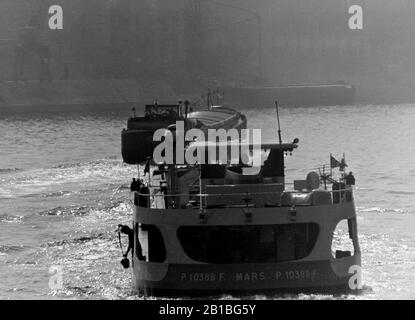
[(152, 243), (248, 244)]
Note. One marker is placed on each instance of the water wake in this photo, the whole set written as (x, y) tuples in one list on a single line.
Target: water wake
[(66, 211), (382, 210), (6, 218), (79, 240), (8, 249), (8, 170)]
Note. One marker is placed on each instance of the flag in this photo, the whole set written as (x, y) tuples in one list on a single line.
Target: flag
[(334, 163), (147, 167)]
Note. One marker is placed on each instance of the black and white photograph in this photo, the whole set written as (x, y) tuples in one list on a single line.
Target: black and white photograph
[(225, 151)]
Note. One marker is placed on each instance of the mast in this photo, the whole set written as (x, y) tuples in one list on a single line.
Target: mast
[(279, 127)]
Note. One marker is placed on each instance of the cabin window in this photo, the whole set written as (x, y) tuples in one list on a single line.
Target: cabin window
[(345, 243), (152, 243), (248, 244)]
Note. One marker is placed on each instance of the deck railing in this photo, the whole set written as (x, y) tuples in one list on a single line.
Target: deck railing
[(287, 198)]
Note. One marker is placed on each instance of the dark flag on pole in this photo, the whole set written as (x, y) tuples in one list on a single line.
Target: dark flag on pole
[(334, 163)]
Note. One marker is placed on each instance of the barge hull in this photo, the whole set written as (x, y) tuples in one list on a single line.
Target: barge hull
[(291, 96), (325, 276)]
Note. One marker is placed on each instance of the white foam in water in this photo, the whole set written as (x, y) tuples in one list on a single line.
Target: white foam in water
[(381, 210)]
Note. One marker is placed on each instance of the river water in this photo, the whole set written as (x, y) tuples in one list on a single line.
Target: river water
[(64, 189)]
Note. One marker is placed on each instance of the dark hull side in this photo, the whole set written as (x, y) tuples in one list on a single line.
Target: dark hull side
[(243, 279), (137, 146), (137, 143)]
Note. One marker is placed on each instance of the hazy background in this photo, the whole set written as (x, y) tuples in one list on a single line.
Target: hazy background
[(183, 46)]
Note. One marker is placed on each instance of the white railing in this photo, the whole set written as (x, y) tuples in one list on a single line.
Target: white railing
[(286, 198)]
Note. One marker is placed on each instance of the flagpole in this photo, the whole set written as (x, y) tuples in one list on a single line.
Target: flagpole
[(279, 127)]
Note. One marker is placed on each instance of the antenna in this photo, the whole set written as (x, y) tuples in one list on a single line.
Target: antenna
[(208, 99), (279, 127)]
